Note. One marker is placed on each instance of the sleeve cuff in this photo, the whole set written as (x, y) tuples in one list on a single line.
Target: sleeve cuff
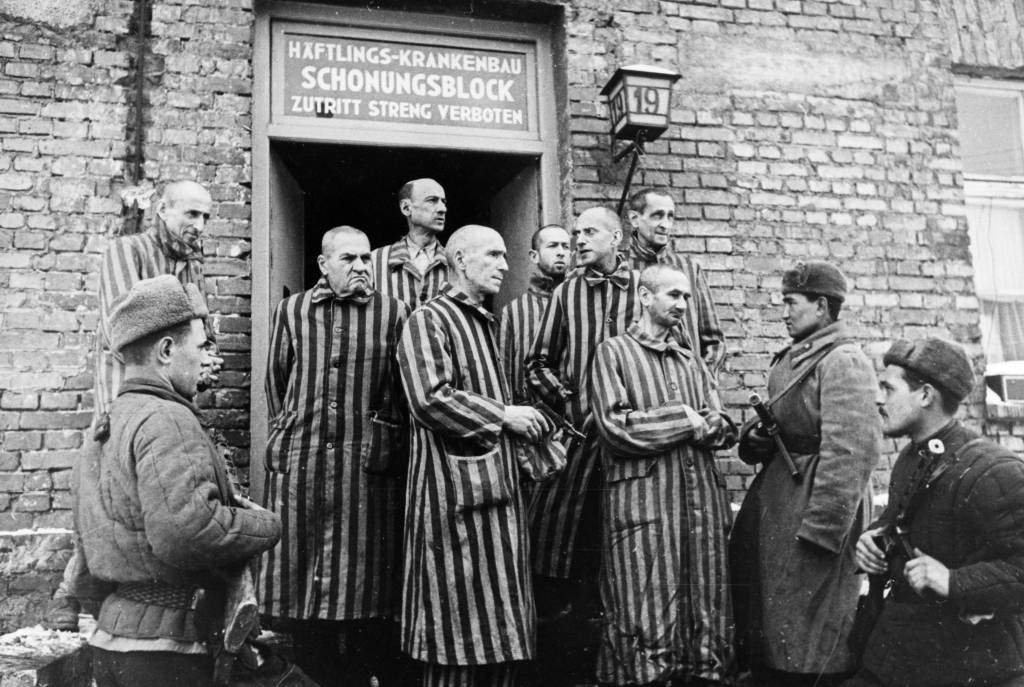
[(823, 537)]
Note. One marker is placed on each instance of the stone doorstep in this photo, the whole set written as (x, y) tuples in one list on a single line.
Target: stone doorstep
[(36, 657)]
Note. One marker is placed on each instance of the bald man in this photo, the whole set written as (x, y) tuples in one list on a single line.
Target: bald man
[(665, 510), (595, 303), (467, 600), (172, 245), (652, 215), (337, 433), (520, 319), (414, 268)]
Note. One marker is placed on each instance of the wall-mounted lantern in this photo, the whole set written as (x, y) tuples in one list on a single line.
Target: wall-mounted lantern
[(639, 101)]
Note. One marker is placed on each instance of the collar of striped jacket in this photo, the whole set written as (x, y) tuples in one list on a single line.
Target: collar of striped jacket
[(618, 277), (645, 253), (400, 254), (541, 285), (174, 247), (670, 343), (463, 299), (322, 291)]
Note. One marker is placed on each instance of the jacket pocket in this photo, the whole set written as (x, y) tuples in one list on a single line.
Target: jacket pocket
[(479, 481), (385, 450), (622, 469), (626, 502)]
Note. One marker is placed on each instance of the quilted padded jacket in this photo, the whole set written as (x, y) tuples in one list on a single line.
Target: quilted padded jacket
[(970, 517), (154, 505)]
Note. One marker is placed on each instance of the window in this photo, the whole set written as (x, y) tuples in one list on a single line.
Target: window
[(991, 115)]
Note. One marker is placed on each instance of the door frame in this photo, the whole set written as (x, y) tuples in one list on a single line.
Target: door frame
[(270, 14)]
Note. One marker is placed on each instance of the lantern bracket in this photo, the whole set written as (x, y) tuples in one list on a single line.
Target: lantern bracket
[(636, 146)]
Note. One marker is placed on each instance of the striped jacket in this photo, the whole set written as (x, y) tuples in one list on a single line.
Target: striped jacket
[(701, 322), (585, 309), (520, 320), (665, 516), (334, 446), (396, 276), (467, 597), (129, 259)]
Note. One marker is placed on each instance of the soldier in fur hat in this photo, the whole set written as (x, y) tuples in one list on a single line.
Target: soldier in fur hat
[(791, 549), (951, 539), (153, 506)]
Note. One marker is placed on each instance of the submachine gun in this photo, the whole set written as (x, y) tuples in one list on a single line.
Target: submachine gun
[(770, 425)]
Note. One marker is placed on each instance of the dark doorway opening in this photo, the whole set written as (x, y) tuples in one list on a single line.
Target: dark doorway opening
[(358, 185)]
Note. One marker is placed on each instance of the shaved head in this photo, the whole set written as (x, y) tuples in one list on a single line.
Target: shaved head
[(469, 239), (184, 208), (664, 294), (598, 232), (327, 242), (600, 214), (407, 188), (476, 256), (654, 276), (184, 188)]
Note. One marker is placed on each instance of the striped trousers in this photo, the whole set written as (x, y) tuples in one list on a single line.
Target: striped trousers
[(496, 675)]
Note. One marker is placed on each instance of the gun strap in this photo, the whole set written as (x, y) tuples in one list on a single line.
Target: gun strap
[(811, 364), (927, 470)]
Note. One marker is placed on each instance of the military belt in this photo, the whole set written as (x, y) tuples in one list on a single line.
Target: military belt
[(154, 594)]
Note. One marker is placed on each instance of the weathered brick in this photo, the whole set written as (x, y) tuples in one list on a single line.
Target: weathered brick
[(36, 502), (49, 460), (12, 482)]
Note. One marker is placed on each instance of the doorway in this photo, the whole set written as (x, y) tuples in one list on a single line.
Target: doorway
[(322, 185), (316, 186), (499, 160)]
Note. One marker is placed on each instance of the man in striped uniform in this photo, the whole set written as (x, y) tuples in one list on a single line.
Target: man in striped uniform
[(413, 269), (520, 319), (652, 215), (467, 601), (665, 515), (597, 302), (334, 457), (172, 245)]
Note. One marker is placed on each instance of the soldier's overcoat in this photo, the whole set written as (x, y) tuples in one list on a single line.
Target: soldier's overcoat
[(791, 549), (467, 595), (664, 582), (334, 456)]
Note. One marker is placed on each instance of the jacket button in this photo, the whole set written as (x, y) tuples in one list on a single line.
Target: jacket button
[(333, 404), (329, 445)]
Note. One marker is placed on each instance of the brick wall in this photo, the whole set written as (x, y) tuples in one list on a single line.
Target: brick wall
[(801, 129), (985, 36), (62, 142)]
